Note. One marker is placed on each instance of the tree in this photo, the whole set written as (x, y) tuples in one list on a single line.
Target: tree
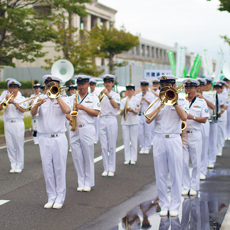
[(110, 42), (72, 43), (22, 31), (224, 6)]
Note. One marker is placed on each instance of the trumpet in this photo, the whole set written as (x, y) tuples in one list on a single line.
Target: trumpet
[(101, 96), (168, 95), (54, 90), (74, 113), (5, 103)]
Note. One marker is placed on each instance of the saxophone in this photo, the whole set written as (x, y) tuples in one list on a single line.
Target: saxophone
[(74, 113)]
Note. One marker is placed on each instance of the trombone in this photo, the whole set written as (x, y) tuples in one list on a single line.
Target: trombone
[(168, 95), (5, 103), (54, 90), (29, 106)]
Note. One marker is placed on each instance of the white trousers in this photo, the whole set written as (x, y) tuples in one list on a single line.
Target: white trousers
[(53, 152), (96, 125), (220, 135), (130, 134), (212, 143), (14, 135), (82, 146), (205, 129), (167, 155), (144, 134), (68, 127), (108, 138), (192, 146)]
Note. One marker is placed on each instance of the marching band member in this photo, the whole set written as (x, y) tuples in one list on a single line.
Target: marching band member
[(145, 97), (227, 90), (37, 91), (108, 125), (82, 139), (53, 143), (130, 124), (155, 90), (92, 85), (222, 117), (191, 139), (14, 127), (212, 148), (167, 148), (205, 128), (72, 91)]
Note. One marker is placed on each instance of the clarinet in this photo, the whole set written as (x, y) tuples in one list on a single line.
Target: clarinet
[(143, 93)]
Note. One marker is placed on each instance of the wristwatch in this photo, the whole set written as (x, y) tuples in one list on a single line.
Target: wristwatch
[(194, 118), (110, 98), (175, 104), (14, 103)]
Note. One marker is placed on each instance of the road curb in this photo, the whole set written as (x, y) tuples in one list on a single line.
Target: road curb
[(28, 133)]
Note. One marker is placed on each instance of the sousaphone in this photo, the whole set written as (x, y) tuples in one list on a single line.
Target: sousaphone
[(226, 69)]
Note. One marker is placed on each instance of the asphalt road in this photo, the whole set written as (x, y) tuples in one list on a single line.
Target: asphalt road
[(26, 191)]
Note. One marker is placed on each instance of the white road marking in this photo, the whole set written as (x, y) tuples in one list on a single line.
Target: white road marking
[(4, 201), (100, 157)]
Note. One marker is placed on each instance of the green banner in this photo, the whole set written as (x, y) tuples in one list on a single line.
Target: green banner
[(172, 61), (184, 72), (195, 67)]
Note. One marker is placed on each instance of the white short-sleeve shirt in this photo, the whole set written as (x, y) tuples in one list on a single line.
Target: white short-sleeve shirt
[(51, 118), (167, 120), (90, 101), (106, 107), (133, 103), (222, 100), (11, 112), (198, 109)]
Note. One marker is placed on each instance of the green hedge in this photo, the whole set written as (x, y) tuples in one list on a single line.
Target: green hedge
[(25, 85)]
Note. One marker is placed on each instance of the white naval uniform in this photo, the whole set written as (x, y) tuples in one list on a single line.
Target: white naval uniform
[(167, 154), (82, 141), (130, 129), (108, 131), (221, 125), (14, 128), (227, 132), (145, 130), (192, 145), (53, 147), (205, 130), (34, 119), (96, 122), (212, 148)]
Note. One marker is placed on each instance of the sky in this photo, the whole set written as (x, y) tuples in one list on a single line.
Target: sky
[(195, 24)]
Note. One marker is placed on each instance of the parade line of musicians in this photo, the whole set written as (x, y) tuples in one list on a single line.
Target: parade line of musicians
[(161, 126)]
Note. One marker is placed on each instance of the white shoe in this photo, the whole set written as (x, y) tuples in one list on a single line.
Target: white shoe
[(86, 188), (141, 151), (202, 176), (12, 171), (105, 173), (163, 213), (132, 162), (70, 150), (111, 173), (57, 205), (146, 152), (192, 192), (126, 162), (185, 192), (95, 142), (48, 205), (80, 189), (174, 213), (219, 154), (211, 166), (36, 143), (18, 170)]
